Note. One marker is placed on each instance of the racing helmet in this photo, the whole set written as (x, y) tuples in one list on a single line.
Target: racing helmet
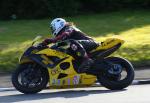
[(57, 25)]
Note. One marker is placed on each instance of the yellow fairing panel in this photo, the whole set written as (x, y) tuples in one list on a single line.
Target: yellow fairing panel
[(51, 52), (109, 43), (72, 78)]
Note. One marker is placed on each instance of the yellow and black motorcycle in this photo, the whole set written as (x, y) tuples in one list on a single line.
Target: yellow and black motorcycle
[(38, 66)]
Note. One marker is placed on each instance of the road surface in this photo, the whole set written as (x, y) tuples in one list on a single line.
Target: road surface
[(132, 94), (143, 74)]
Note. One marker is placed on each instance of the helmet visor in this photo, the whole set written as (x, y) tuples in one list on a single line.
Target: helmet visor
[(52, 29)]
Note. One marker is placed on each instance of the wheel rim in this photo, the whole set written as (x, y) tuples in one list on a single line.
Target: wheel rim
[(30, 77), (121, 75)]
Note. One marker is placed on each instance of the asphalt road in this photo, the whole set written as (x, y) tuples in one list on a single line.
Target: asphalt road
[(142, 74), (132, 94)]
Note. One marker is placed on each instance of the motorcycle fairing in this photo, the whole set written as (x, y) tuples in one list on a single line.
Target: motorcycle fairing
[(108, 43), (68, 77), (71, 77)]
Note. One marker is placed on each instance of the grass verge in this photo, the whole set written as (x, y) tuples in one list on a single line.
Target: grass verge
[(132, 26)]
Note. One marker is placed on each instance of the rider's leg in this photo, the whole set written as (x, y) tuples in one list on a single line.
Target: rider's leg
[(81, 52)]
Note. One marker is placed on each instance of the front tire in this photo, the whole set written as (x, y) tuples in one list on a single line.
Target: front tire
[(30, 78), (117, 84)]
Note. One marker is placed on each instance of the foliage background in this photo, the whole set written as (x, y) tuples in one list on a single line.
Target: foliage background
[(129, 19), (36, 9)]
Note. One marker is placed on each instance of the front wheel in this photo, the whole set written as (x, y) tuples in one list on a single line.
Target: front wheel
[(120, 80), (30, 78)]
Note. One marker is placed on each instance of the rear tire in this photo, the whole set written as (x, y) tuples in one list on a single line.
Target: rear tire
[(115, 84), (39, 76)]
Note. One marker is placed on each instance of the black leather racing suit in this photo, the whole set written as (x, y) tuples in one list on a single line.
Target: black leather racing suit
[(79, 42)]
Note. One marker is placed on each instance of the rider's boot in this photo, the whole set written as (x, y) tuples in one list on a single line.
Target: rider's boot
[(85, 66)]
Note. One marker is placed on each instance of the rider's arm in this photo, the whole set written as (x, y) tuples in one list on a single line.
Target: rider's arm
[(59, 37)]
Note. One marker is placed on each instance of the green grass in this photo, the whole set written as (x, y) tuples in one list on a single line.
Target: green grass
[(132, 26)]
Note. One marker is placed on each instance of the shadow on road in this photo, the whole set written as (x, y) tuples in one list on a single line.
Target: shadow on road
[(62, 94)]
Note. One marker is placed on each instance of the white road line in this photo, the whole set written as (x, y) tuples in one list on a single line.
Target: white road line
[(135, 82), (6, 89)]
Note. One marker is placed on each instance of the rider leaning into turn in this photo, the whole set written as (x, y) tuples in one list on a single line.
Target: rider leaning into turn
[(79, 42)]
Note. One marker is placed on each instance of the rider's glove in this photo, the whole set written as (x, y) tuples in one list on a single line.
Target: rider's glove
[(41, 45), (45, 43), (48, 41)]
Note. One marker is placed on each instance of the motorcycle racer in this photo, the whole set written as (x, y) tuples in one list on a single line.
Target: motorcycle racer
[(79, 42)]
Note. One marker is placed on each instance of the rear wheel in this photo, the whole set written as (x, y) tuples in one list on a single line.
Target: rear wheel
[(30, 78), (117, 81)]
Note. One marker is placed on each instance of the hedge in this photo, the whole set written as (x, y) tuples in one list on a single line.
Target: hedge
[(34, 9)]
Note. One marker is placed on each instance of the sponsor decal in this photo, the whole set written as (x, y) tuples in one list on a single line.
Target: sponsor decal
[(58, 82), (55, 71), (76, 79), (68, 81), (63, 82), (107, 42), (74, 47), (53, 81)]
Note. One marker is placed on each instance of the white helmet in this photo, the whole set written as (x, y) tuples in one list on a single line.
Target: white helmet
[(57, 25)]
